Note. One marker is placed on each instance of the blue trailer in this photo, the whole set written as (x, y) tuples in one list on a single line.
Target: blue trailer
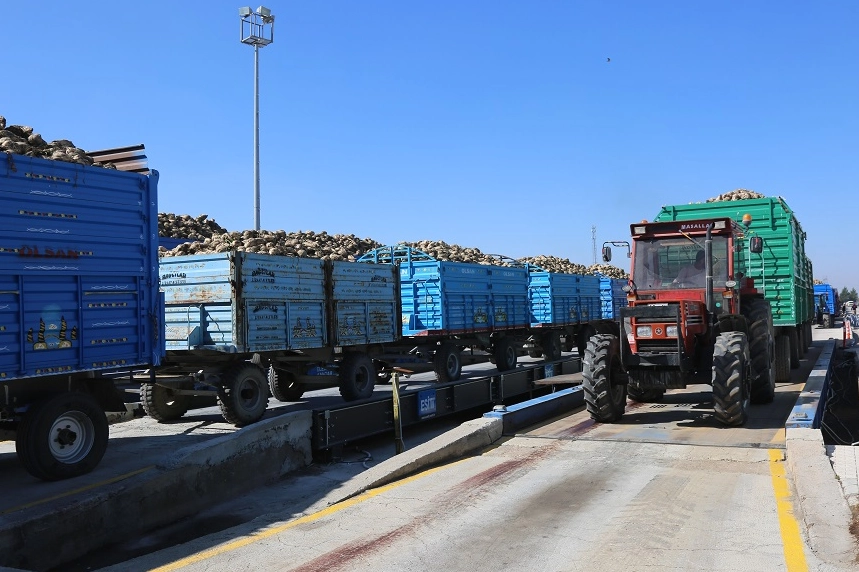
[(456, 311), (827, 304), (250, 323), (79, 302), (612, 297), (568, 306)]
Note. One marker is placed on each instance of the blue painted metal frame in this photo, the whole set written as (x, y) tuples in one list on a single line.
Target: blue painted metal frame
[(808, 411)]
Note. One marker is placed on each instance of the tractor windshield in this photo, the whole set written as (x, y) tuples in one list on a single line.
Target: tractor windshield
[(678, 262)]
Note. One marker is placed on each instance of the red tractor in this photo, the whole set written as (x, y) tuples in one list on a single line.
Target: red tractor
[(691, 319)]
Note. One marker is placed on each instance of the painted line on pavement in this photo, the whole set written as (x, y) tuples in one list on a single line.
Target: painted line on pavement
[(794, 555), (78, 490), (256, 537)]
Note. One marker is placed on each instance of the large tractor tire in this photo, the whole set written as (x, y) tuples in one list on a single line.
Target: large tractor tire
[(283, 386), (243, 395), (761, 349), (731, 383), (504, 352), (447, 363), (602, 377), (357, 376), (827, 320), (63, 436), (782, 359), (162, 403), (795, 353)]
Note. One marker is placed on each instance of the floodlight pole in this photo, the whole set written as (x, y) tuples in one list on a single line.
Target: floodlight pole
[(254, 25), (256, 137)]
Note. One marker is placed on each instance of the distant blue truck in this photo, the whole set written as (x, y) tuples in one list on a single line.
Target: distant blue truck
[(827, 304)]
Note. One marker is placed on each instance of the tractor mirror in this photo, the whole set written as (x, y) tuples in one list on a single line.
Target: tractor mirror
[(606, 253), (756, 244)]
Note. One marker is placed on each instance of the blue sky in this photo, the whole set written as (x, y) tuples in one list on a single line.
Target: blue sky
[(498, 125)]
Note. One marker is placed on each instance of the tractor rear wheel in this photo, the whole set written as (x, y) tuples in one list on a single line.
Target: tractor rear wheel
[(602, 377), (761, 349), (731, 383)]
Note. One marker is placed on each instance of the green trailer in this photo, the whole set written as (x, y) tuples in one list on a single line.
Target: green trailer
[(782, 271)]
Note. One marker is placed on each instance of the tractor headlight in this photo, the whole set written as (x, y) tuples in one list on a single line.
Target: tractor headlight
[(671, 331), (644, 331)]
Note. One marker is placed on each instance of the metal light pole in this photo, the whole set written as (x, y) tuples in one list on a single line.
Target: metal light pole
[(257, 30)]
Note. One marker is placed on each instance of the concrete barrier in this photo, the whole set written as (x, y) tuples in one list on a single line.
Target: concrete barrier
[(45, 537)]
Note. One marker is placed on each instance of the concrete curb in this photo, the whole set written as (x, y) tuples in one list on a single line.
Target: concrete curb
[(469, 437), (177, 488), (822, 506)]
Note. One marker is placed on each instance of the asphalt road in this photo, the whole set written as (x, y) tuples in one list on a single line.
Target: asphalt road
[(666, 488)]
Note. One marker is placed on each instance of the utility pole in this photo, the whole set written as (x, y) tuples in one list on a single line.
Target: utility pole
[(594, 241)]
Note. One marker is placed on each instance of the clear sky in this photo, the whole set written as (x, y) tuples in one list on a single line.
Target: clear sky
[(494, 124)]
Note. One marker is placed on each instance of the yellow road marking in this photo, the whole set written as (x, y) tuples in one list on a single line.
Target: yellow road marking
[(78, 490), (262, 535), (794, 556)]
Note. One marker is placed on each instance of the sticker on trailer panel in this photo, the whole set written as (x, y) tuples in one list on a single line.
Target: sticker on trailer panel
[(480, 316), (351, 326), (53, 330), (500, 315), (426, 403), (306, 330)]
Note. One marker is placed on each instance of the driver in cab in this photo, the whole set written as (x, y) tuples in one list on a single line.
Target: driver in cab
[(692, 275)]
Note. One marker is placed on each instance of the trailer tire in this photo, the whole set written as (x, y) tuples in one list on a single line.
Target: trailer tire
[(357, 377), (782, 359), (160, 403), (243, 394), (447, 363), (793, 336), (551, 343), (605, 396), (283, 386), (63, 436), (731, 379), (504, 353), (761, 350)]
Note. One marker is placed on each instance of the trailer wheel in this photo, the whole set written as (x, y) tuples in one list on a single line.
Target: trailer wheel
[(782, 359), (504, 353), (644, 395), (761, 350), (602, 377), (62, 437), (731, 383), (162, 403), (243, 395), (793, 336), (283, 386), (551, 343), (357, 376), (447, 363)]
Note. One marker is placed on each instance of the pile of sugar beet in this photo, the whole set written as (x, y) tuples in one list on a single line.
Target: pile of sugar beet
[(207, 236)]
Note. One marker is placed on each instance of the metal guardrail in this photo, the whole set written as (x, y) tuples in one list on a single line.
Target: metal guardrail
[(808, 411)]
